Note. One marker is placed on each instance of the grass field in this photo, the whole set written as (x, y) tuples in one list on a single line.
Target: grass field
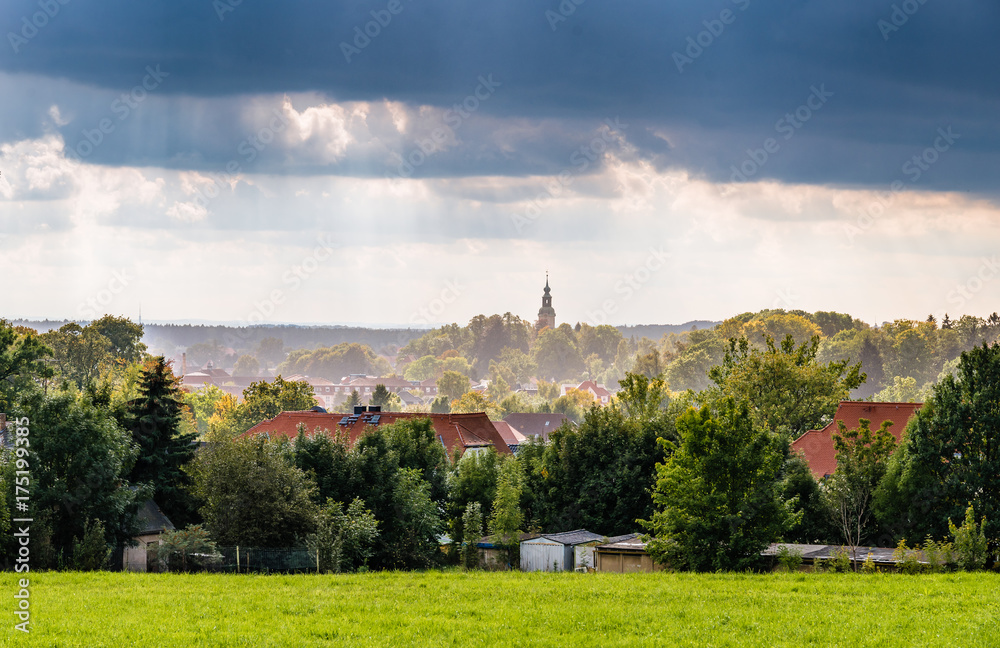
[(512, 609)]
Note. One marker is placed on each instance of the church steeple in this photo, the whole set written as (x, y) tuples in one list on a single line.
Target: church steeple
[(546, 314)]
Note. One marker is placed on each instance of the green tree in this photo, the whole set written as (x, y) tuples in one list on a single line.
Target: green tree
[(422, 369), (418, 520), (798, 487), (262, 400), (472, 532), (970, 542), (473, 478), (597, 475), (557, 356), (507, 519), (270, 351), (124, 335), (716, 497), (380, 397), (185, 549), (80, 353), (80, 460), (862, 456), (471, 402), (333, 363), (787, 389), (203, 403), (22, 362), (452, 384), (950, 456), (344, 540), (154, 419), (91, 553), (352, 401), (441, 405), (246, 365), (251, 493)]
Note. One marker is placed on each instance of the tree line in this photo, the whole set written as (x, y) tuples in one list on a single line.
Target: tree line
[(708, 474)]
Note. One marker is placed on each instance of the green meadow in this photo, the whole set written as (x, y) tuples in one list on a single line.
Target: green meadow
[(507, 609)]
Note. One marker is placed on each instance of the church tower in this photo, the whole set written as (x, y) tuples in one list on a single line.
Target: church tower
[(546, 314)]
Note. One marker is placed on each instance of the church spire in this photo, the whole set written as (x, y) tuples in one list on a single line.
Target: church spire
[(546, 314)]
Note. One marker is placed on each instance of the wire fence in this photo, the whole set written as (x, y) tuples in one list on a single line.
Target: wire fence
[(252, 560)]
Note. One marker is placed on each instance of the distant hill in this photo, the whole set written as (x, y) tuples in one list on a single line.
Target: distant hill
[(172, 339), (657, 331)]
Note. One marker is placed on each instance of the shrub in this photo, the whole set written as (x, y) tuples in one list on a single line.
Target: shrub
[(472, 531), (869, 567), (970, 542), (841, 560), (789, 560), (344, 540), (940, 555), (92, 552), (906, 559), (186, 549)]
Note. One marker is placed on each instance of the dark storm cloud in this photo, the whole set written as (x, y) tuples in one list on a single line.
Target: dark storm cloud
[(703, 85)]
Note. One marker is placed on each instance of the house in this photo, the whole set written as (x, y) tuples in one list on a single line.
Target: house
[(600, 393), (152, 524), (624, 555), (465, 432), (556, 551), (817, 445), (536, 425), (510, 434)]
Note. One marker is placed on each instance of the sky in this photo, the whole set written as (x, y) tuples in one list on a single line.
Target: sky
[(423, 161)]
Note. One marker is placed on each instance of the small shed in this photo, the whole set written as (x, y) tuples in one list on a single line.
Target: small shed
[(493, 556), (152, 524), (556, 551), (625, 555)]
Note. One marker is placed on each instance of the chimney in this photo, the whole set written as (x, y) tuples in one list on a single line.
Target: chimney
[(359, 409), (184, 364), (374, 408)]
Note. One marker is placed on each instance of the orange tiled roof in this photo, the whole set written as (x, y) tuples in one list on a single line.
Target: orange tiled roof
[(817, 445), (463, 431), (510, 434)]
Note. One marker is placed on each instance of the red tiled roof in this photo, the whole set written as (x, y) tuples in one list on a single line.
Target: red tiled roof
[(510, 434), (535, 424), (817, 445), (463, 431)]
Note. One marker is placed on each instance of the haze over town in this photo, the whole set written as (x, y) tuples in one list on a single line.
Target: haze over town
[(679, 162)]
